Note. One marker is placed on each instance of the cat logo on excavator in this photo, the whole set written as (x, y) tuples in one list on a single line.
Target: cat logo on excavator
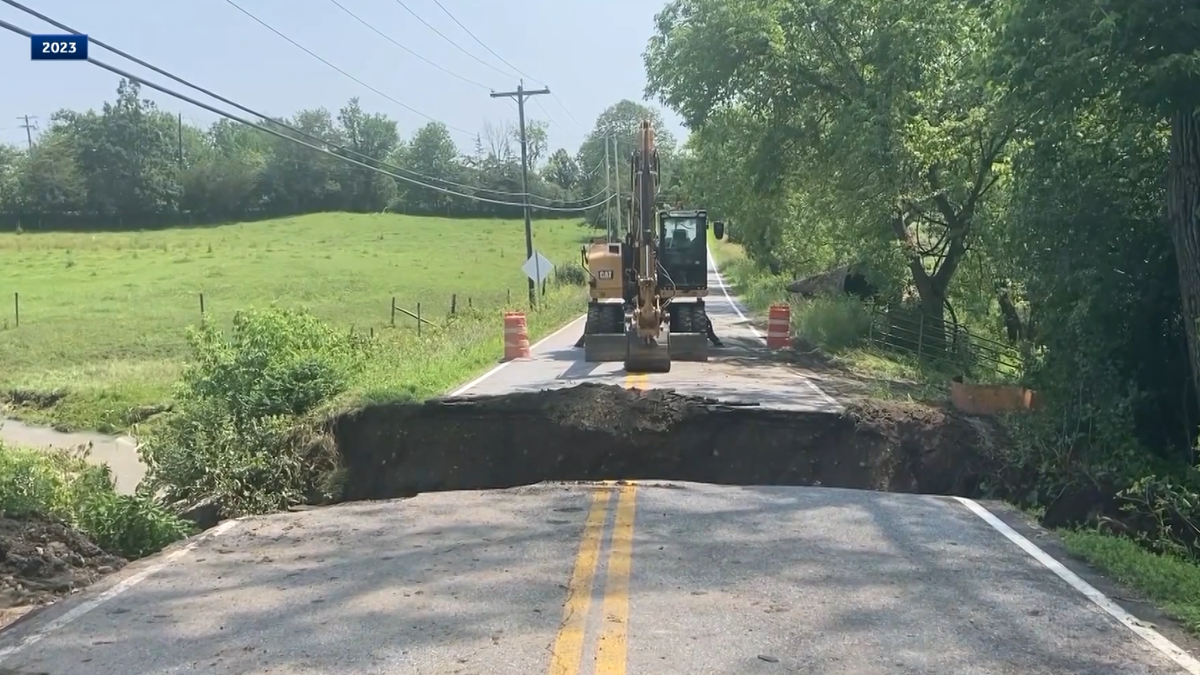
[(646, 293)]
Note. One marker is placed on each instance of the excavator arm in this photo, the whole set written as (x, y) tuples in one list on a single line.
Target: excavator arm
[(645, 351)]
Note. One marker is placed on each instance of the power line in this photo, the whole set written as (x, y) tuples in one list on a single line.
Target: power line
[(452, 42), (481, 43), (251, 111), (166, 90), (389, 39), (505, 62), (308, 51)]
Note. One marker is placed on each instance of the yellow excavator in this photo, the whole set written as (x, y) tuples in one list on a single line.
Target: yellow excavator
[(646, 293)]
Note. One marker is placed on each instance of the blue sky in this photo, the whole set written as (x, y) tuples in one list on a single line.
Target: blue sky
[(588, 53)]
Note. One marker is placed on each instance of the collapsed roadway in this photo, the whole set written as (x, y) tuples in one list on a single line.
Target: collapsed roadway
[(650, 574)]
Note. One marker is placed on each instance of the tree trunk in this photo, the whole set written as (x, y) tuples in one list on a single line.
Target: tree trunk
[(1183, 213)]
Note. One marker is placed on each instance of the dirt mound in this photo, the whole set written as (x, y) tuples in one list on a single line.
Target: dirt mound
[(41, 560), (606, 432)]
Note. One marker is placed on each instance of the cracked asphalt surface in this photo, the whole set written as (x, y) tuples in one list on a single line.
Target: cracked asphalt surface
[(652, 578)]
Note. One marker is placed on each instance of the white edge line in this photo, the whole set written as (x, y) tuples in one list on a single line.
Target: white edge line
[(125, 584), (733, 303), (1156, 639), (479, 380)]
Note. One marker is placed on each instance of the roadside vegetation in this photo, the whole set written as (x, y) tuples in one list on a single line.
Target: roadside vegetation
[(61, 485), (993, 167)]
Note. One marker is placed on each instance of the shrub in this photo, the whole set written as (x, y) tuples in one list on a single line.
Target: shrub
[(832, 323), (242, 404), (61, 484), (570, 275)]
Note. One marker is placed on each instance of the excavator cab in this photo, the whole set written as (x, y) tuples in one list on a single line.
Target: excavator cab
[(683, 240)]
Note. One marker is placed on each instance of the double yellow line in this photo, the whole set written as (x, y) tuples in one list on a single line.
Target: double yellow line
[(612, 647)]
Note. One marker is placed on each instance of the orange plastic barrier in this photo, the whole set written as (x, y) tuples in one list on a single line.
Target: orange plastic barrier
[(516, 336), (779, 327)]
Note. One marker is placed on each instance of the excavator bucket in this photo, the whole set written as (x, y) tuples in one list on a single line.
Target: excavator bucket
[(646, 356), (604, 347), (688, 347)]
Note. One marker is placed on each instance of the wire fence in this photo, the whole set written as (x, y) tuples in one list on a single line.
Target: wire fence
[(422, 314), (931, 339)]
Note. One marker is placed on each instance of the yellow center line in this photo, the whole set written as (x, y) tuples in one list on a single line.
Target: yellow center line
[(637, 381), (568, 645), (613, 646)]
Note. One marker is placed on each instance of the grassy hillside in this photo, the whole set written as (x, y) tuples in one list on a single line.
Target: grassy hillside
[(103, 316)]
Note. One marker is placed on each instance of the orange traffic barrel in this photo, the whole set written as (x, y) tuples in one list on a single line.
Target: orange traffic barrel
[(516, 336), (779, 327)]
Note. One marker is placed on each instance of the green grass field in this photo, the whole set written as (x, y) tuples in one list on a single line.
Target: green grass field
[(103, 316)]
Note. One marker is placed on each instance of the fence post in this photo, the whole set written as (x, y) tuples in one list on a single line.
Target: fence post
[(393, 311), (469, 305), (17, 309), (201, 305), (920, 332), (418, 318), (453, 303), (508, 296)]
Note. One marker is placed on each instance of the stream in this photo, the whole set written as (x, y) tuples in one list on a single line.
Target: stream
[(118, 452)]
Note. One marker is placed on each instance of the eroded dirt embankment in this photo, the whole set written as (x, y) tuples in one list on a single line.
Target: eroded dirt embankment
[(606, 432)]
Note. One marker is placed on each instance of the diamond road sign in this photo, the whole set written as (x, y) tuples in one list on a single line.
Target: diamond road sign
[(537, 267)]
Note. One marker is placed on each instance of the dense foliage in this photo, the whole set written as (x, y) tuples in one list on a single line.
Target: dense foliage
[(132, 165), (1029, 164)]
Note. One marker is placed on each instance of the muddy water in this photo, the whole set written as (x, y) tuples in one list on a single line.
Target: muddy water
[(118, 452)]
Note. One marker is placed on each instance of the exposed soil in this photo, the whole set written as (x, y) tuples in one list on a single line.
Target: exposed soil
[(607, 432), (42, 560)]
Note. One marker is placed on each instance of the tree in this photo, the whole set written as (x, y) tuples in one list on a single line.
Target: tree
[(562, 170), (371, 136), (1061, 55), (621, 121), (431, 154), (871, 114)]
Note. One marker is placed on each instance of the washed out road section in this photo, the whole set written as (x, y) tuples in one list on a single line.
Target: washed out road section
[(684, 578)]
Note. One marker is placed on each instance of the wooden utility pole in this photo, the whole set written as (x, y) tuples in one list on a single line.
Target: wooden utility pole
[(29, 128), (520, 95)]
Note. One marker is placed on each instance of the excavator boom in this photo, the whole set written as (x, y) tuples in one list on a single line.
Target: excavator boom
[(647, 351)]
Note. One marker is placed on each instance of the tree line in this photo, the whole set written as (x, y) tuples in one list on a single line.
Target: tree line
[(1029, 167), (132, 165)]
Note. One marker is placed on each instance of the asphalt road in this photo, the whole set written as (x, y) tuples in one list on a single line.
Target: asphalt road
[(733, 373), (656, 578)]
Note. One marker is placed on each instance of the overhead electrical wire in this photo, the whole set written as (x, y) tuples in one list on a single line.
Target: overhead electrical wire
[(391, 40), (452, 42), (263, 116), (385, 36), (316, 56), (481, 42), (213, 109), (505, 62)]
